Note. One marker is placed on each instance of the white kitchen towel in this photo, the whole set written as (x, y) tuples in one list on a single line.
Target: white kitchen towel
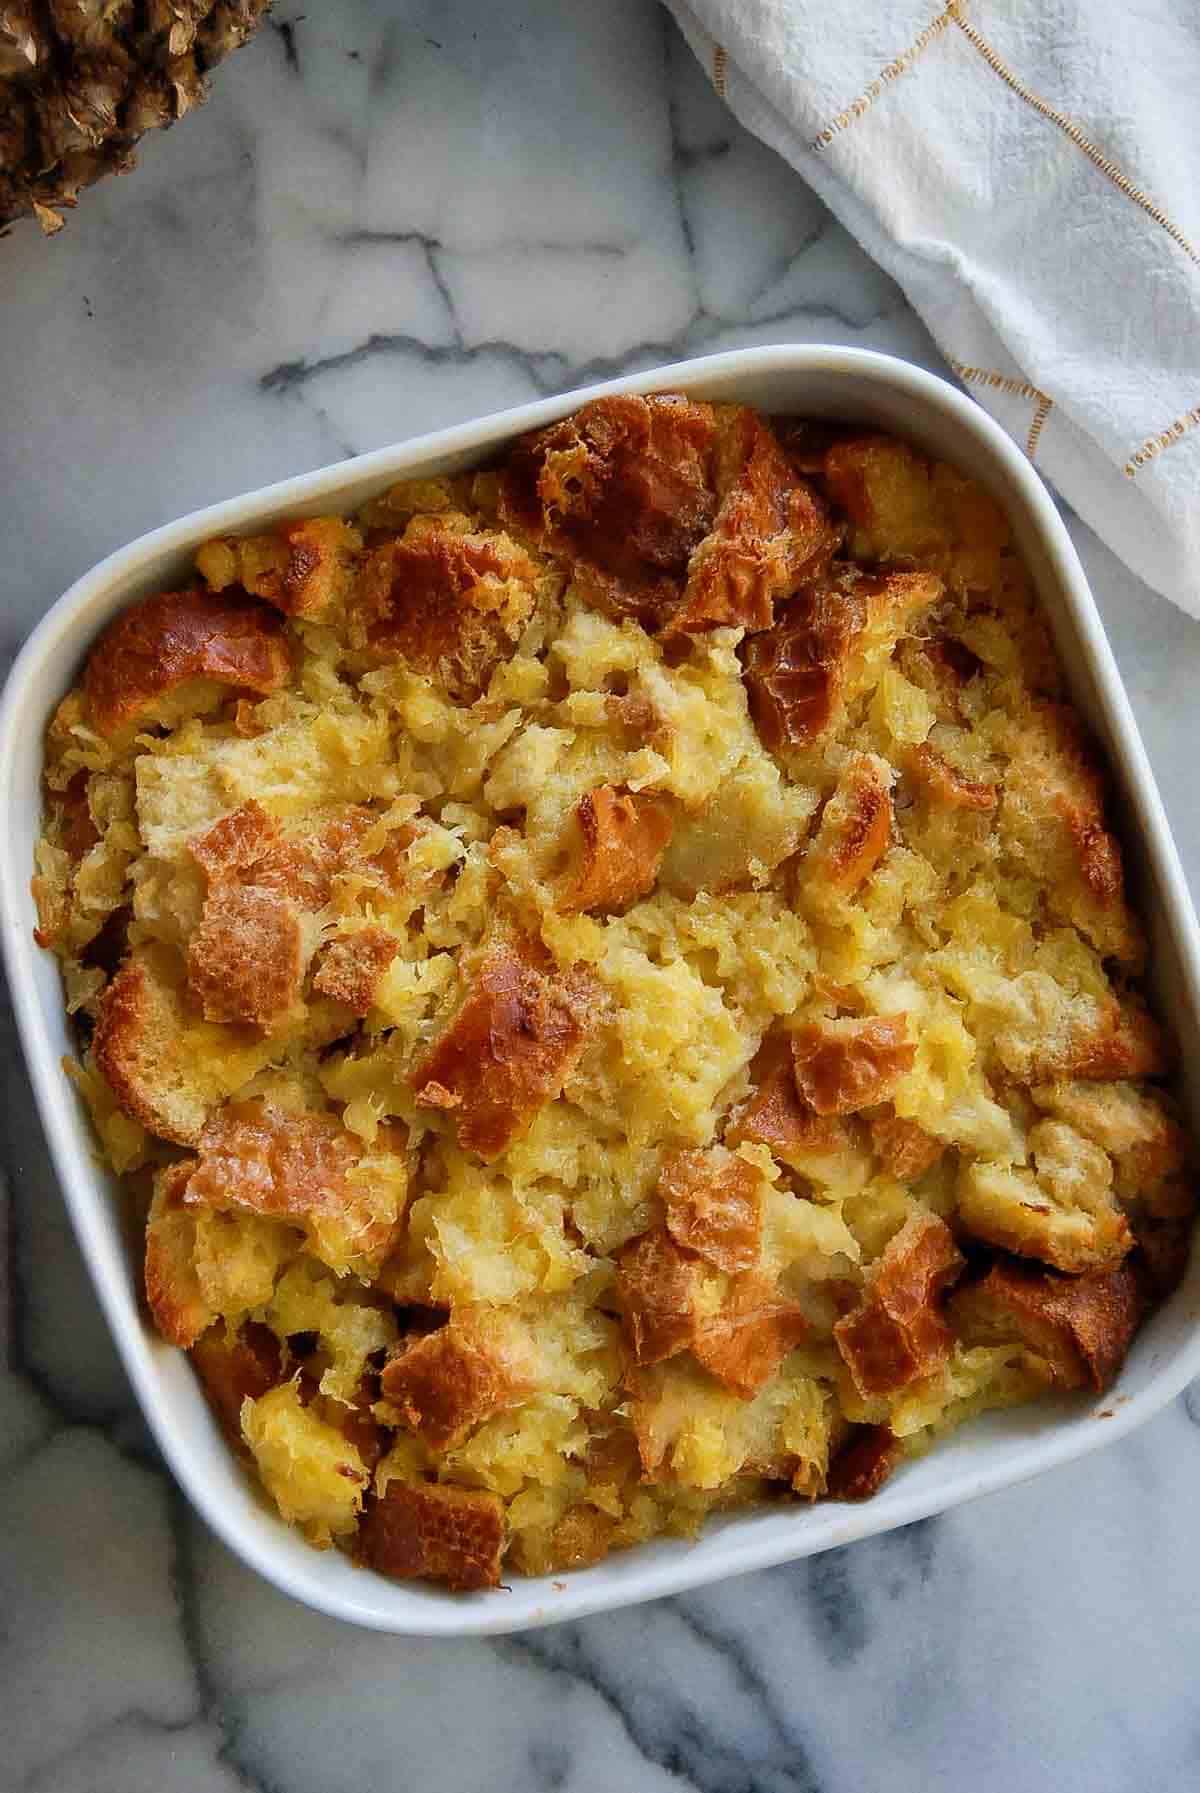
[(1029, 172)]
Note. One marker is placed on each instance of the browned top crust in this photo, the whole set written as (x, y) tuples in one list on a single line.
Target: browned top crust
[(301, 567), (855, 828), (656, 1290), (905, 1148), (173, 1292), (842, 1066), (245, 959), (449, 601), (897, 1333), (235, 1366), (745, 1342), (1081, 1325), (139, 1049), (241, 841), (1054, 801), (450, 1381), (623, 490), (947, 786), (796, 673), (436, 1532), (770, 533), (1127, 1044), (775, 1115), (510, 1047), (169, 640), (352, 965), (713, 1200), (863, 1464), (624, 836), (260, 1159)]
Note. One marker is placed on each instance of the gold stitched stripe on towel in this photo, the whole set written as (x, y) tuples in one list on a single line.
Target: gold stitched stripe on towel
[(986, 376), (1070, 129), (869, 95), (1153, 446), (719, 64)]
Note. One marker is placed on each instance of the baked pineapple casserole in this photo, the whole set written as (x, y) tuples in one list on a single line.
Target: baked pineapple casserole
[(609, 984)]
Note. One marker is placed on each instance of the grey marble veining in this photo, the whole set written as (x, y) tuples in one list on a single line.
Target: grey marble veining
[(394, 215)]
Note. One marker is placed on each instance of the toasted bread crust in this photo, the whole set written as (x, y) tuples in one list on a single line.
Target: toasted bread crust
[(260, 1159), (746, 1341), (622, 491), (713, 1201), (947, 786), (234, 1366), (905, 1148), (449, 602), (855, 828), (509, 1048), (167, 641), (435, 1532), (1062, 1211), (843, 1066), (863, 1464), (770, 532), (450, 1381), (798, 672), (302, 568), (173, 1290), (624, 836), (136, 1049), (245, 960), (656, 1291), (352, 965), (897, 1332), (1081, 1325), (776, 1116)]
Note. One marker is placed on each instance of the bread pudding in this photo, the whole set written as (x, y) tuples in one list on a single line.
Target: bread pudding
[(608, 983)]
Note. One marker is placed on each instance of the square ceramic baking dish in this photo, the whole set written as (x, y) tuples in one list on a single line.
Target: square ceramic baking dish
[(991, 1453)]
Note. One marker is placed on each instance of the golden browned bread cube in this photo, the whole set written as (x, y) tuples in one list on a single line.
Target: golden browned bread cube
[(302, 568), (1062, 1211), (166, 1066), (623, 837), (449, 601), (897, 1333), (843, 1066), (352, 964), (770, 533), (746, 1340), (623, 491), (184, 649), (451, 1380), (656, 1289), (173, 1290), (508, 1050), (854, 831), (863, 1464), (905, 1147), (713, 1201), (435, 1532), (234, 1366), (1082, 1326), (826, 643)]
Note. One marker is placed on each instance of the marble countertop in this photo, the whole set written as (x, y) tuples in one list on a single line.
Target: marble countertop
[(395, 214)]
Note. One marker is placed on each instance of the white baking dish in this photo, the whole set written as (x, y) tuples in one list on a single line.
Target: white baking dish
[(989, 1454)]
